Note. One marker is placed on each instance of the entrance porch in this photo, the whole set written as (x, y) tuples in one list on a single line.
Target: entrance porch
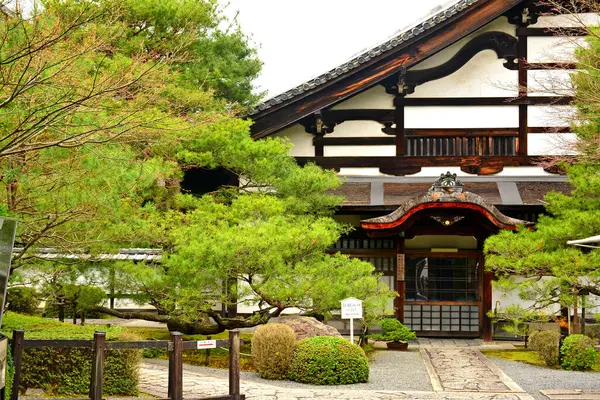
[(430, 251)]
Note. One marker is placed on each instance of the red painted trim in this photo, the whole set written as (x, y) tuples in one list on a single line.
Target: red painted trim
[(426, 206)]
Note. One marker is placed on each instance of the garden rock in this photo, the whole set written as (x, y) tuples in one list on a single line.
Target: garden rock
[(306, 327)]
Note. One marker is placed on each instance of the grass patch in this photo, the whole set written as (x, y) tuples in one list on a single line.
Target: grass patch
[(526, 356)]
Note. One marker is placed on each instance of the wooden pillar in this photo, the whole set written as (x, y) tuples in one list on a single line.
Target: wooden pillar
[(17, 354), (175, 391), (400, 282), (523, 124), (234, 365), (400, 139), (486, 303), (97, 379)]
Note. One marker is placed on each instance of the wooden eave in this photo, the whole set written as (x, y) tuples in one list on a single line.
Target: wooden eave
[(378, 68)]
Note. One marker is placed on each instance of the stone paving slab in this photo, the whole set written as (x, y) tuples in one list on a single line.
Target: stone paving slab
[(465, 370), (572, 394)]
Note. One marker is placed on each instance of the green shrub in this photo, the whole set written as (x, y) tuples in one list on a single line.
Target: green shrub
[(328, 360), (272, 348), (578, 353), (22, 299), (546, 343), (393, 331), (67, 371)]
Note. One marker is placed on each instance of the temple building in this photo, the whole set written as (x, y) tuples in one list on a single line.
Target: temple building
[(439, 133)]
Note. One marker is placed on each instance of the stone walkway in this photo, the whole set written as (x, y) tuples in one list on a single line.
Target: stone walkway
[(465, 370), (153, 380), (455, 373)]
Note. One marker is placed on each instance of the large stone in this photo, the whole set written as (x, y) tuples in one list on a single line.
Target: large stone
[(305, 327)]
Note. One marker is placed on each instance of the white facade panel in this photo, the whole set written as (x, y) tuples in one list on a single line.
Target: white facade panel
[(462, 117), (542, 144), (359, 151), (540, 116), (549, 83), (302, 142), (357, 129), (376, 97), (483, 76), (552, 48), (567, 21)]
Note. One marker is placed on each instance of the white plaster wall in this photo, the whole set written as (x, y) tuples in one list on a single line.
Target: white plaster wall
[(501, 299), (483, 76), (357, 129), (544, 116), (542, 144), (376, 98), (359, 151), (552, 48), (549, 83), (462, 117), (302, 141), (567, 21)]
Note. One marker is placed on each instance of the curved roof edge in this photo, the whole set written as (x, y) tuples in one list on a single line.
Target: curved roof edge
[(434, 199)]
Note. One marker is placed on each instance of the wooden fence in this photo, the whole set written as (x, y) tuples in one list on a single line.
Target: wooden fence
[(99, 345)]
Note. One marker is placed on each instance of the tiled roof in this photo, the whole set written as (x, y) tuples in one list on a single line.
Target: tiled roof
[(396, 41)]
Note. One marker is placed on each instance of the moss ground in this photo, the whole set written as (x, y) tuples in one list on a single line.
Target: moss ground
[(525, 356)]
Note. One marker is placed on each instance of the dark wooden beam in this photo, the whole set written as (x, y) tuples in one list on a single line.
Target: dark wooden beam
[(482, 165), (485, 101), (541, 32), (380, 67)]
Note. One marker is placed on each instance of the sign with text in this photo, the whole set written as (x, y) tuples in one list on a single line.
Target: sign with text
[(206, 344), (352, 308)]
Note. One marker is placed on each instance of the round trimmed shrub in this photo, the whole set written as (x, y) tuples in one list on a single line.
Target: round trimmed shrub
[(546, 343), (328, 360), (272, 348), (578, 353)]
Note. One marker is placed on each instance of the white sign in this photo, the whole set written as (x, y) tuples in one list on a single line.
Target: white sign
[(206, 344), (351, 308)]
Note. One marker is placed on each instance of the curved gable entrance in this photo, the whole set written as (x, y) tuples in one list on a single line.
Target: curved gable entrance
[(441, 281)]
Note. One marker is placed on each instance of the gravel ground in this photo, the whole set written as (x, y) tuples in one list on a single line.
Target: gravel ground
[(390, 370), (533, 379)]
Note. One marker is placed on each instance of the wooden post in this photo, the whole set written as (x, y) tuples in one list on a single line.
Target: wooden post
[(98, 366), (207, 352), (17, 354), (176, 367), (234, 365), (400, 280)]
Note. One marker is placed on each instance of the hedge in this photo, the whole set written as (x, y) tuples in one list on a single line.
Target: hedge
[(67, 371), (328, 360)]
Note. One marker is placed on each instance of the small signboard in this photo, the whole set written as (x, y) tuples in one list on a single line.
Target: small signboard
[(352, 308), (206, 344)]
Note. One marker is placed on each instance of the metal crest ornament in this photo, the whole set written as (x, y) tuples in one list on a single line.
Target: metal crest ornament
[(447, 182), (447, 221)]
